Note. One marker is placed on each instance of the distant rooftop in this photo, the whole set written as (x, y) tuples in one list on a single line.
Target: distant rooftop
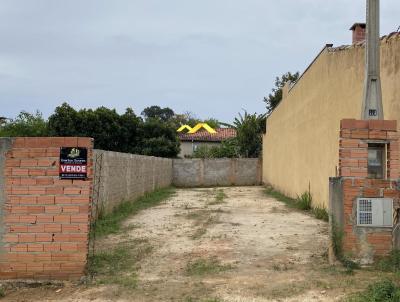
[(204, 136), (385, 38)]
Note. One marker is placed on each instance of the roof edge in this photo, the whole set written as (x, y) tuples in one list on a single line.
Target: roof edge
[(326, 47)]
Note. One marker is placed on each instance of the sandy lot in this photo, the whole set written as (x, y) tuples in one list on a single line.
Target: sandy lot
[(260, 250)]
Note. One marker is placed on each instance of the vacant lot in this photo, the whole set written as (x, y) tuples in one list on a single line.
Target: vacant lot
[(227, 244)]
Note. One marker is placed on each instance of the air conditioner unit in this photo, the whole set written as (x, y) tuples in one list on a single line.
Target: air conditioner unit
[(375, 212)]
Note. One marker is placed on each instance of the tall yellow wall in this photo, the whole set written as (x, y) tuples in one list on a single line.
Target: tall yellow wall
[(300, 146)]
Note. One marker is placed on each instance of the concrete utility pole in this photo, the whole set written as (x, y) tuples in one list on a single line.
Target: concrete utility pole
[(372, 103)]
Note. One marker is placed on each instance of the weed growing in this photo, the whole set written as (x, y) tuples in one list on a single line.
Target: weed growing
[(199, 233), (390, 263), (290, 202), (382, 291), (304, 201), (111, 223), (190, 299), (202, 267), (337, 239), (320, 213), (2, 293), (219, 197), (337, 244)]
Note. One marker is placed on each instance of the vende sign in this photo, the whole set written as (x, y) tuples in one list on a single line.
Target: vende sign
[(73, 163)]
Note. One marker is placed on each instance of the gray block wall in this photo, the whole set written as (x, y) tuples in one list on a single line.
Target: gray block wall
[(216, 172), (125, 176)]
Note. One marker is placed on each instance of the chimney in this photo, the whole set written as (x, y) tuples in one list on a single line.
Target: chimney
[(359, 32)]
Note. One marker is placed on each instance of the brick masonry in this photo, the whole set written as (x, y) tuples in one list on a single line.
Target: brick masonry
[(364, 242), (45, 219)]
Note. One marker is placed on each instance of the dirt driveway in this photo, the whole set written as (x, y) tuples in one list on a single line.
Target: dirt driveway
[(227, 244)]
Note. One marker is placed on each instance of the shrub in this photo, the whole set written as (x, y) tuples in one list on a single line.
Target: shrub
[(382, 291)]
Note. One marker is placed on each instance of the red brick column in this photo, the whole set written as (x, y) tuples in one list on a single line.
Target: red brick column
[(353, 168), (46, 220)]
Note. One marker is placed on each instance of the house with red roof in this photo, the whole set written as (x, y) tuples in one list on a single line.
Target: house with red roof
[(192, 141)]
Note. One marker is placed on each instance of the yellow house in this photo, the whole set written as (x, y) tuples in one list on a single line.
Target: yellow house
[(300, 147)]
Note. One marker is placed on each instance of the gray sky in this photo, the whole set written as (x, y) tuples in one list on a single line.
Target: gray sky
[(211, 57)]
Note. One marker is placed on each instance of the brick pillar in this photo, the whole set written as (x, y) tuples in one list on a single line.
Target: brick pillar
[(355, 135), (46, 219)]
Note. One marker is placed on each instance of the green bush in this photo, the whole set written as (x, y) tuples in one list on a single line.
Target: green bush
[(382, 291), (227, 149)]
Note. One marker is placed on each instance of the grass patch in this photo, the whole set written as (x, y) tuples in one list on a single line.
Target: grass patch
[(219, 197), (199, 233), (198, 216), (2, 293), (202, 267), (390, 263), (111, 223), (320, 213), (382, 291), (287, 290), (290, 202), (190, 299), (204, 217), (119, 265), (303, 203)]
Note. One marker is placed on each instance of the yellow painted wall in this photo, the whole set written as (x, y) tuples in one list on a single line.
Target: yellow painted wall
[(301, 144)]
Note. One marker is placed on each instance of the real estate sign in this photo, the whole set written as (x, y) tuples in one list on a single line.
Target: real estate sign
[(73, 163)]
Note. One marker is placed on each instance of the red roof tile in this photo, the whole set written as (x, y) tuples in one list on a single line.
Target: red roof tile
[(204, 136)]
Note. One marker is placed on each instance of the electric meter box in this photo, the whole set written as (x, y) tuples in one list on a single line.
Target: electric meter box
[(375, 212)]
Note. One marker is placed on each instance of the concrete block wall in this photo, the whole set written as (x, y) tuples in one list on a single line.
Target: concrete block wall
[(126, 176), (366, 242), (44, 220), (216, 172)]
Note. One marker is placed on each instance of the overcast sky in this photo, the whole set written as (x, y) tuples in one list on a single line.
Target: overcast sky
[(210, 57)]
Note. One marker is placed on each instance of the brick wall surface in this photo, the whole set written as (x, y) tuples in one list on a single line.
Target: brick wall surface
[(46, 220), (353, 168)]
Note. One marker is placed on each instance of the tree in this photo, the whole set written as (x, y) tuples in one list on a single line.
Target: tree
[(64, 121), (164, 114), (110, 130), (26, 124), (250, 128), (159, 139), (212, 122), (275, 97)]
